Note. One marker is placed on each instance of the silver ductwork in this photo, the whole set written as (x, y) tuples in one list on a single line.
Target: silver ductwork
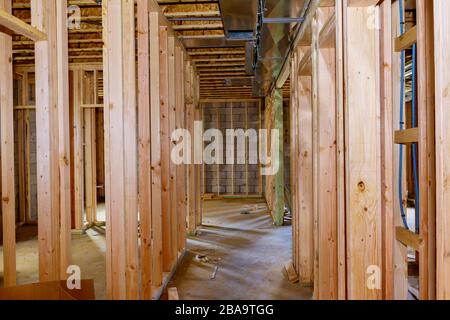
[(279, 22), (267, 29)]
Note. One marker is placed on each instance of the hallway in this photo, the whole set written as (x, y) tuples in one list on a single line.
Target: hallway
[(238, 237)]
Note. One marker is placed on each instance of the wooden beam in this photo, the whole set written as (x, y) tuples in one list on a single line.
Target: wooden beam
[(155, 111), (406, 40), (442, 83), (181, 170), (44, 18), (409, 238), (427, 154), (78, 149), (62, 49), (7, 156), (325, 166), (16, 25), (172, 167), (165, 148), (122, 264), (408, 136), (279, 203), (363, 143), (145, 178), (387, 147)]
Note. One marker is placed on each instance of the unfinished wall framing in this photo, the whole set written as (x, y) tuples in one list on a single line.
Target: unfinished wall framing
[(349, 238)]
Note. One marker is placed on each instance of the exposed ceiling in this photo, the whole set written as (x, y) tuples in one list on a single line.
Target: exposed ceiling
[(236, 54)]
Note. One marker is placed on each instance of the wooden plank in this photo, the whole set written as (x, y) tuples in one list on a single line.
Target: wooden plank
[(15, 24), (387, 147), (155, 111), (427, 154), (279, 176), (173, 294), (406, 40), (442, 83), (181, 170), (44, 18), (7, 158), (409, 238), (291, 273), (363, 164), (325, 166), (165, 149), (78, 149), (120, 162), (408, 136), (341, 148), (304, 181), (145, 179), (62, 52), (90, 148), (172, 166)]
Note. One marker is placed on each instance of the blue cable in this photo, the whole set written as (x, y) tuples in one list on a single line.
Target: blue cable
[(402, 102), (414, 146)]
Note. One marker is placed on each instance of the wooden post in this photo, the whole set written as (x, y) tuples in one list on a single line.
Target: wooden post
[(145, 178), (304, 180), (172, 167), (442, 84), (427, 154), (62, 52), (122, 265), (387, 147), (363, 153), (181, 169), (155, 111), (165, 148), (278, 206), (78, 149), (7, 152), (53, 160), (90, 148), (325, 164)]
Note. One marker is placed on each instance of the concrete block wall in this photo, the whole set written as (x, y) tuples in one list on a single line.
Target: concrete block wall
[(237, 179)]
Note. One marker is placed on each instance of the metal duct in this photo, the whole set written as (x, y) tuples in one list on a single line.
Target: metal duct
[(280, 17), (239, 18)]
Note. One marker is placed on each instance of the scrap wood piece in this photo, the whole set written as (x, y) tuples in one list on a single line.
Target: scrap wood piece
[(214, 274), (291, 273), (173, 294)]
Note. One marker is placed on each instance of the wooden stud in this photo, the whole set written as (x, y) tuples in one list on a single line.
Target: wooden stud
[(155, 111), (145, 178), (363, 153), (442, 83), (120, 164), (7, 158)]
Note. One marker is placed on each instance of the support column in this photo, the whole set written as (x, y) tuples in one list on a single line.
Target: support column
[(53, 160), (363, 152), (278, 205), (442, 84), (7, 155), (122, 265), (145, 178)]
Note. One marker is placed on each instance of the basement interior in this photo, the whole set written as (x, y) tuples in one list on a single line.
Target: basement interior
[(224, 150)]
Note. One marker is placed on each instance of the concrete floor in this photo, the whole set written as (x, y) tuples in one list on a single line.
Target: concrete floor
[(248, 251)]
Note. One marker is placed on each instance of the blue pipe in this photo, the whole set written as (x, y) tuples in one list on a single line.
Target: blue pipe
[(414, 146), (402, 123)]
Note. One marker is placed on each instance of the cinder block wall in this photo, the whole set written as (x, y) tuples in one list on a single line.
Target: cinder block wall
[(237, 179)]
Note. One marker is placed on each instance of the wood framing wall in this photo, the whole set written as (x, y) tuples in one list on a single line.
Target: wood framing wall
[(349, 238)]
